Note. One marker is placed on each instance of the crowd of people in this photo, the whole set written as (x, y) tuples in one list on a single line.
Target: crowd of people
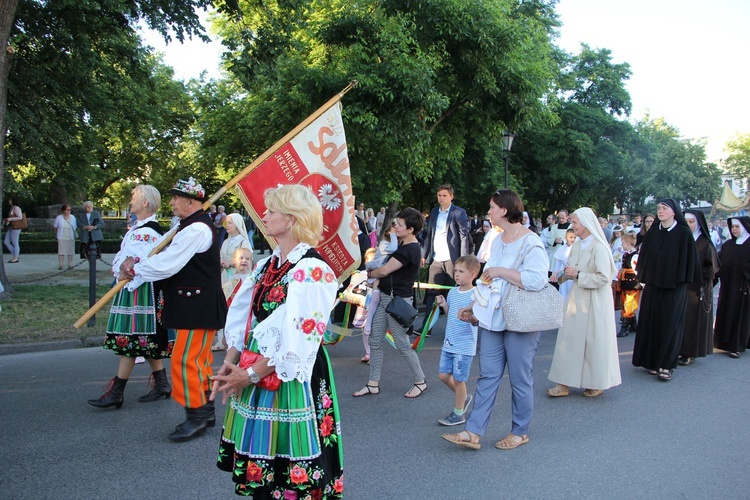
[(281, 434)]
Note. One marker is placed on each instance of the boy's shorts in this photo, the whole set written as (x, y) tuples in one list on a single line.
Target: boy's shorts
[(459, 365)]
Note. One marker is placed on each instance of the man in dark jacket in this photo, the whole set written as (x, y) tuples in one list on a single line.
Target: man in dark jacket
[(194, 303), (446, 240)]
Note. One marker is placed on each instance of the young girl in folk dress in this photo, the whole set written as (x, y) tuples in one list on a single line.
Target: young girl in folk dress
[(630, 289)]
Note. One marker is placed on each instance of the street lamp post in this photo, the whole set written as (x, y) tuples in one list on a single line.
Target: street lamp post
[(507, 143)]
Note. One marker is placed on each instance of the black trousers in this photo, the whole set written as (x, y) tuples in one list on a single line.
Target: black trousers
[(441, 273)]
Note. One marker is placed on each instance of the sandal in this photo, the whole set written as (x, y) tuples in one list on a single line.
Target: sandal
[(652, 372), (367, 390), (417, 387), (665, 374), (734, 355), (685, 361), (508, 443), (592, 393), (458, 439), (365, 358), (558, 391)]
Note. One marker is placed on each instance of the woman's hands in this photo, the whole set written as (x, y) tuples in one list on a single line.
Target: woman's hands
[(491, 273), (571, 271), (230, 381)]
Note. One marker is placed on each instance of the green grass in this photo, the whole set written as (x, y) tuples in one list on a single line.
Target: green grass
[(42, 313)]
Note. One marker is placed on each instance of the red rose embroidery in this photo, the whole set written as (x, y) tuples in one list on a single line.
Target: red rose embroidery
[(122, 341), (298, 475), (338, 485), (254, 472), (308, 325), (317, 273), (329, 277), (326, 426), (276, 294)]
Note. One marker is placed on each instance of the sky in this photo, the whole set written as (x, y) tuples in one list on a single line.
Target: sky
[(689, 59)]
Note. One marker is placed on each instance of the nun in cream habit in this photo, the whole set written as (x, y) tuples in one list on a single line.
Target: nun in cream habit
[(586, 349)]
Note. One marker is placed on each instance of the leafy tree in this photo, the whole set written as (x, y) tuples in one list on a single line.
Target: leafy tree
[(579, 159), (738, 161), (76, 76), (667, 166), (439, 80)]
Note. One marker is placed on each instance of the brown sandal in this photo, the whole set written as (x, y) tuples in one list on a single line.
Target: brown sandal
[(592, 393), (558, 391), (460, 441), (508, 443)]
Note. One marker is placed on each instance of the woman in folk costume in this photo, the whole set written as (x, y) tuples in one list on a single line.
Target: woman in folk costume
[(133, 328), (586, 349), (732, 331), (284, 442), (668, 262), (698, 338)]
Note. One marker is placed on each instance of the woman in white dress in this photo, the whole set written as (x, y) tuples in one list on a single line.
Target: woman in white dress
[(586, 349), (65, 224)]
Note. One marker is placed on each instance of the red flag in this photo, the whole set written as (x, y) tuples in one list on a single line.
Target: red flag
[(315, 157)]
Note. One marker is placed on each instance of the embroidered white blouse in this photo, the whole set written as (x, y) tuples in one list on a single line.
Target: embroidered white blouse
[(291, 335), (137, 242)]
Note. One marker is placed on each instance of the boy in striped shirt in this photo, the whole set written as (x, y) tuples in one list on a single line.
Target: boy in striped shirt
[(460, 344)]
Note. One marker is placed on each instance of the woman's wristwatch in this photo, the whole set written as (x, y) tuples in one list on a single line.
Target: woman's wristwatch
[(254, 377)]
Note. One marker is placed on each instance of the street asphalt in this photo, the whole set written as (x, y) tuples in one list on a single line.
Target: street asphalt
[(686, 438)]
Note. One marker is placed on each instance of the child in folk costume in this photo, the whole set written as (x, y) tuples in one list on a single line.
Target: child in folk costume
[(630, 289)]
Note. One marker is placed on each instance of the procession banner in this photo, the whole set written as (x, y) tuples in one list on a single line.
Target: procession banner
[(315, 157)]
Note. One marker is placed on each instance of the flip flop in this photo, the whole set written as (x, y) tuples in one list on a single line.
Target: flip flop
[(506, 444), (460, 441)]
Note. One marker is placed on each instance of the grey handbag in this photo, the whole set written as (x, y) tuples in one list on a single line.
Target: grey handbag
[(527, 311)]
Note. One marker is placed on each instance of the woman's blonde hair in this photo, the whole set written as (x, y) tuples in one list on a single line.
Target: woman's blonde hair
[(299, 202)]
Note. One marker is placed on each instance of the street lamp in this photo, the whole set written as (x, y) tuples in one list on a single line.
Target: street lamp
[(507, 143)]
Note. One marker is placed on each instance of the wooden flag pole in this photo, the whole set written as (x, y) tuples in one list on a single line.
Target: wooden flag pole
[(221, 192)]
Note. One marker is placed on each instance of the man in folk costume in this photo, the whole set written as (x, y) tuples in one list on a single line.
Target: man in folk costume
[(194, 303)]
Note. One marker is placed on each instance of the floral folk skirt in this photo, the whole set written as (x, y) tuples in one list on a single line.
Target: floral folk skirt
[(132, 328), (286, 443)]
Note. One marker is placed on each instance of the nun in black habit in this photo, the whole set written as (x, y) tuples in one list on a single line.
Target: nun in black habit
[(668, 262), (732, 331), (698, 338)]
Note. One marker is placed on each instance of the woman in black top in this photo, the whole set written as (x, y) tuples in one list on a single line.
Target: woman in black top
[(397, 278)]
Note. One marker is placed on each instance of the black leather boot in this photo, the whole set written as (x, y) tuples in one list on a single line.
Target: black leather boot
[(114, 395), (624, 322), (161, 387), (211, 411), (195, 425), (633, 324)]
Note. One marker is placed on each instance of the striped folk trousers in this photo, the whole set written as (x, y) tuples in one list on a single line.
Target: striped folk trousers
[(191, 367)]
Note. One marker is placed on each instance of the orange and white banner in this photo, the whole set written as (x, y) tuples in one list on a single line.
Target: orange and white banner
[(317, 158)]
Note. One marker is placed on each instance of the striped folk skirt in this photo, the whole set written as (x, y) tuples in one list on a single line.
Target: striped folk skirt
[(132, 328), (287, 440)]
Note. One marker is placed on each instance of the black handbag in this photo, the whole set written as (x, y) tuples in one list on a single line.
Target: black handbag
[(400, 310)]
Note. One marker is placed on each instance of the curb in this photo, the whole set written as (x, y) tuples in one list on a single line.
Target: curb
[(50, 346)]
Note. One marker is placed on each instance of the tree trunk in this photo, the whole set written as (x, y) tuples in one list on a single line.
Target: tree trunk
[(7, 16)]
